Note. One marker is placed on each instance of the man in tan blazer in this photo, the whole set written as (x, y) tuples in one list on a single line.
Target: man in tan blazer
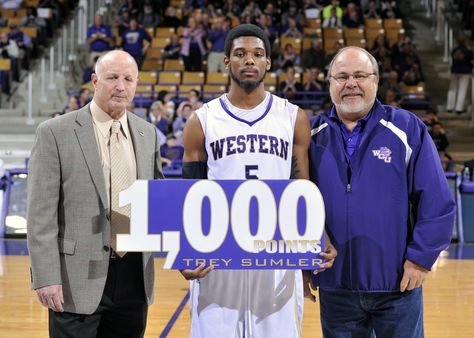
[(90, 290)]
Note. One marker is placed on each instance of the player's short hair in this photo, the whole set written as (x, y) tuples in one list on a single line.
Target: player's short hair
[(246, 30)]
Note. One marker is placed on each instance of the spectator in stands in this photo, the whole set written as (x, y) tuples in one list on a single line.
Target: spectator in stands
[(58, 11), (171, 152), (136, 41), (396, 48), (212, 12), (86, 75), (276, 53), (293, 12), (32, 20), (390, 9), (203, 19), (332, 21), (391, 98), (99, 37), (388, 80), (290, 86), (71, 105), (182, 115), (131, 7), (247, 19), (272, 13), (158, 117), (289, 58), (352, 17), (193, 49), (328, 9), (372, 11), (216, 38), (412, 74), (173, 49), (315, 81), (252, 10), (438, 134), (231, 9), (8, 50), (23, 42), (122, 22), (381, 53), (292, 31), (84, 97), (461, 74), (314, 56), (194, 100), (380, 41), (148, 18), (405, 59), (170, 18), (265, 22), (166, 98)]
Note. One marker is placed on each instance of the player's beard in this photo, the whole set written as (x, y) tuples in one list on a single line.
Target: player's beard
[(247, 85)]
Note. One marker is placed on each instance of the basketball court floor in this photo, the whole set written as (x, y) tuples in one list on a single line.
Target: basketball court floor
[(448, 298)]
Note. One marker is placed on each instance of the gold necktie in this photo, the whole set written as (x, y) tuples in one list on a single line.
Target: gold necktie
[(119, 181)]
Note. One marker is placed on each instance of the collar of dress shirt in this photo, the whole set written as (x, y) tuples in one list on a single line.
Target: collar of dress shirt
[(103, 121)]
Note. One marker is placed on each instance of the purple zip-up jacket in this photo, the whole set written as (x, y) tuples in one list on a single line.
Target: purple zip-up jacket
[(391, 202)]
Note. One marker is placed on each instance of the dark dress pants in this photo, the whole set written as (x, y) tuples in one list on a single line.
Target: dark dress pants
[(122, 310)]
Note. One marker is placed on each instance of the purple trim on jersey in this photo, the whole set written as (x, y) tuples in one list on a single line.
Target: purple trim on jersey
[(250, 123)]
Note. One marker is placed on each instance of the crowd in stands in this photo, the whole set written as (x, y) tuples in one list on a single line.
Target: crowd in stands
[(462, 61), (187, 37), (24, 28), (440, 139)]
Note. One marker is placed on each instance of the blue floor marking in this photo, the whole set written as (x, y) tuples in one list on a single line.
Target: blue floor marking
[(461, 251), (175, 316)]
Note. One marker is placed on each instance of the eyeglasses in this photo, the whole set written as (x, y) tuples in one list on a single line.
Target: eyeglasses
[(359, 77)]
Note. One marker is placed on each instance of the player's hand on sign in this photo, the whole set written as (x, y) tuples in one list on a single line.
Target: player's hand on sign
[(413, 276), (200, 272), (329, 255), (308, 288)]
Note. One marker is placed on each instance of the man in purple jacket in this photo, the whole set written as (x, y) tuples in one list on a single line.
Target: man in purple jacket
[(136, 41), (389, 210)]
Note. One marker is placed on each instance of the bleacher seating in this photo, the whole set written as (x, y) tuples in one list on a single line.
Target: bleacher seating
[(193, 78), (25, 19), (159, 73)]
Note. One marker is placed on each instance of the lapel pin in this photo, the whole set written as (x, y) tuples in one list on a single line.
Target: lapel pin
[(141, 133)]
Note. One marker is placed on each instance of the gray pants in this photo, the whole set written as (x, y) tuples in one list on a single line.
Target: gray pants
[(215, 62), (458, 86)]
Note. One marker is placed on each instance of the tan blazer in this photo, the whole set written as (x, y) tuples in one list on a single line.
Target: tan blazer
[(68, 210)]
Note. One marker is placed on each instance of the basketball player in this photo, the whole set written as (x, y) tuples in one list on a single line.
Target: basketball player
[(247, 134)]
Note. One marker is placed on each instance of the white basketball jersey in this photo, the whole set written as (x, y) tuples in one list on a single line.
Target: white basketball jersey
[(240, 144), (257, 148)]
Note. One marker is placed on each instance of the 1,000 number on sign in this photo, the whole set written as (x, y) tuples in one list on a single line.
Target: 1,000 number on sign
[(175, 207)]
